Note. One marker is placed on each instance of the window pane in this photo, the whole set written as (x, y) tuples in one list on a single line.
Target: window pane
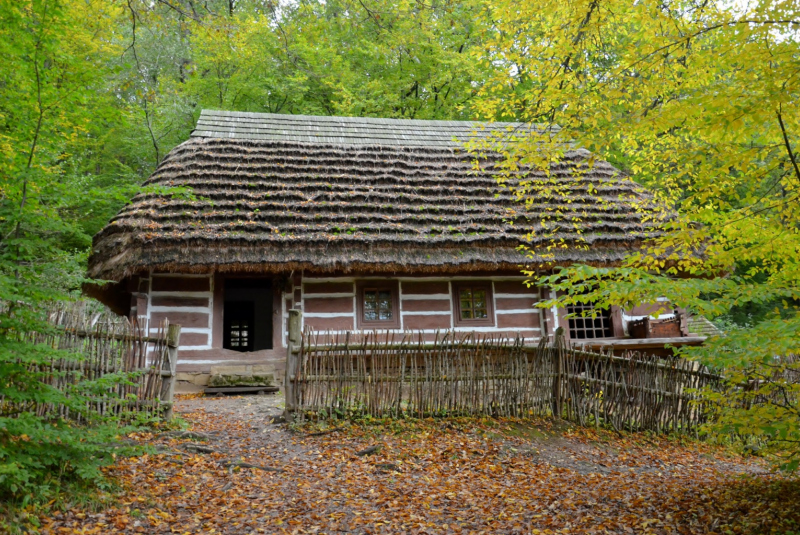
[(480, 313), (466, 294), (466, 314), (370, 306), (385, 305), (479, 298)]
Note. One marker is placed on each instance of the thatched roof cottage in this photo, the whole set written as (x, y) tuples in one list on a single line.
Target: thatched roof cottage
[(360, 223)]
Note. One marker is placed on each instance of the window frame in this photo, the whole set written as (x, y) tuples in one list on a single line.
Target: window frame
[(394, 288), (488, 287)]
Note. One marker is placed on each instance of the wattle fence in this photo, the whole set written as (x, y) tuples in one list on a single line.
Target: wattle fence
[(465, 374), (91, 347)]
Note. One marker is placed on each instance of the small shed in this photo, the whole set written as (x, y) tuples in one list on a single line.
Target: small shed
[(360, 223)]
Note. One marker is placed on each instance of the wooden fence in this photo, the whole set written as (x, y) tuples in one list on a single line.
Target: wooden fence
[(96, 345), (632, 391), (467, 374)]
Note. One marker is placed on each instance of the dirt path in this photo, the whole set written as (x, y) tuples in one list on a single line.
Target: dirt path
[(433, 476)]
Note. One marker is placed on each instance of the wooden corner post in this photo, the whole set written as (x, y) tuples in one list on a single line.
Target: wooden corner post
[(168, 367), (292, 362)]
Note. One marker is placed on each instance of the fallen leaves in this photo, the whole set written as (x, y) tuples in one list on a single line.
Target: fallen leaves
[(433, 476)]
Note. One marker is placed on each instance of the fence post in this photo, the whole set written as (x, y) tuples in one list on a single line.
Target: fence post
[(292, 363), (168, 368), (558, 371)]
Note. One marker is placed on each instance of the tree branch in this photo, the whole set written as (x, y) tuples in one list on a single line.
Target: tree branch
[(787, 144), (178, 10), (702, 31)]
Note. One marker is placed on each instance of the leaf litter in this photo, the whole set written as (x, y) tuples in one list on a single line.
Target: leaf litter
[(245, 475)]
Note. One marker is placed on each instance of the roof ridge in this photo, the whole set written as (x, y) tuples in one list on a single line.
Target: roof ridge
[(350, 118), (344, 130)]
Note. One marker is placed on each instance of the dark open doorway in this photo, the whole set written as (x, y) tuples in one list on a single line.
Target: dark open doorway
[(247, 315)]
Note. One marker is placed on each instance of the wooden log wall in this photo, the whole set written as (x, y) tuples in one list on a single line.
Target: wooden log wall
[(426, 305), (185, 299)]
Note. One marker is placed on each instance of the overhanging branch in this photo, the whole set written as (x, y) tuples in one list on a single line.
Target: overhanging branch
[(787, 144)]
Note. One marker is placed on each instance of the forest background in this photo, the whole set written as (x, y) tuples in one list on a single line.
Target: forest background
[(696, 100)]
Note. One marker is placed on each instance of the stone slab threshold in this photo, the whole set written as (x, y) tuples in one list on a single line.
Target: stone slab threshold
[(241, 390)]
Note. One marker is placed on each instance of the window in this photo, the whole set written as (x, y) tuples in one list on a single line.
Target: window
[(473, 303), (378, 305), (239, 320), (240, 333), (247, 314), (585, 328)]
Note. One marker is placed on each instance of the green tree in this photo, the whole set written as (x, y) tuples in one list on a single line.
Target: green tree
[(341, 57), (698, 102), (56, 115)]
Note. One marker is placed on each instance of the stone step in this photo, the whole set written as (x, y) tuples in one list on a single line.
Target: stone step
[(242, 390), (241, 379)]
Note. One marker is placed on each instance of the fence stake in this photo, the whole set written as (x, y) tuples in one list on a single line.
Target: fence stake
[(292, 363), (558, 371), (170, 364)]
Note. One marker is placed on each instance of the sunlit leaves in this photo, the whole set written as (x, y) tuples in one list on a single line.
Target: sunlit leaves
[(699, 103)]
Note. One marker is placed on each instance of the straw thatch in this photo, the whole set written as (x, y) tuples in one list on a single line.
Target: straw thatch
[(276, 193)]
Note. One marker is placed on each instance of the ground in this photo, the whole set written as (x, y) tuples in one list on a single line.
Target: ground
[(235, 472)]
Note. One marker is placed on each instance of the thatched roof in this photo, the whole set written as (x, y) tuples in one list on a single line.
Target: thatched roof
[(274, 193)]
